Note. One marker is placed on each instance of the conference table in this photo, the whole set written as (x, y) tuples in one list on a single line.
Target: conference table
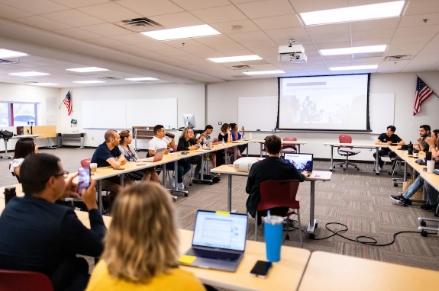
[(370, 146), (284, 275), (297, 143), (230, 171)]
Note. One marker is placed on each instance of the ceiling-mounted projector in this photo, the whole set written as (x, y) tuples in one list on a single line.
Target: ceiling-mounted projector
[(292, 53)]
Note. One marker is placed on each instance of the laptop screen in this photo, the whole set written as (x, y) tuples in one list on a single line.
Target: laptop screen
[(302, 162), (220, 230)]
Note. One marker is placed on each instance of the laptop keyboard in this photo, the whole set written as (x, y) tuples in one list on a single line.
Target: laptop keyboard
[(216, 255)]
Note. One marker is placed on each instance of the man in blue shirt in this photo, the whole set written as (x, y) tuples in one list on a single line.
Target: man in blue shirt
[(38, 235)]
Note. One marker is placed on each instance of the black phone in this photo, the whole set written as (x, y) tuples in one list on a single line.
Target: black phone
[(261, 268)]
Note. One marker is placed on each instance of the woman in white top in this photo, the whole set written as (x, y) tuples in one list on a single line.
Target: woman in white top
[(24, 147), (131, 156)]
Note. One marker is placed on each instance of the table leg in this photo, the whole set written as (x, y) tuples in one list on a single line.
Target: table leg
[(260, 151), (405, 171), (99, 185), (81, 142), (332, 158), (202, 168), (122, 180), (312, 225), (377, 170), (298, 147), (229, 193)]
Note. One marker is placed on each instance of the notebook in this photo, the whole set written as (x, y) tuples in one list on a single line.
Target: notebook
[(218, 241), (302, 162)]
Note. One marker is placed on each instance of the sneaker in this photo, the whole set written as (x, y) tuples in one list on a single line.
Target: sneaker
[(400, 200), (180, 187)]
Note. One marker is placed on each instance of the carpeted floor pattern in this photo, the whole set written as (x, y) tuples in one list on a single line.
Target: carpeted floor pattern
[(358, 199)]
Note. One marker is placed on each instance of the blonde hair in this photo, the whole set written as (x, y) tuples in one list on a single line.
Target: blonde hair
[(142, 240)]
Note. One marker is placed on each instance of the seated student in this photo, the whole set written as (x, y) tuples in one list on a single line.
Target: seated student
[(223, 137), (24, 147), (108, 154), (187, 142), (130, 155), (271, 168), (142, 254), (236, 135), (424, 133), (159, 141), (39, 235), (388, 137), (430, 193), (205, 138)]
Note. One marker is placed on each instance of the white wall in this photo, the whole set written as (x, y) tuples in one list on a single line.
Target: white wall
[(222, 106), (45, 97), (190, 98)]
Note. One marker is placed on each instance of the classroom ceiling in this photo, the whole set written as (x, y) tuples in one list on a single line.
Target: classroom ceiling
[(58, 34)]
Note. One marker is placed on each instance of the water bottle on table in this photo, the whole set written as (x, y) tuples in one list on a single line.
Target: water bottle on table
[(273, 228)]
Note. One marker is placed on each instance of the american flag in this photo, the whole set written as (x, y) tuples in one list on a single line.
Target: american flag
[(68, 103), (422, 94)]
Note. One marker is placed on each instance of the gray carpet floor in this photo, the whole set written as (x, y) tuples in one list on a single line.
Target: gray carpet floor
[(358, 199)]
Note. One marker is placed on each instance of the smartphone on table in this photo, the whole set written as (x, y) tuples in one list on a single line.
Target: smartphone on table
[(261, 268)]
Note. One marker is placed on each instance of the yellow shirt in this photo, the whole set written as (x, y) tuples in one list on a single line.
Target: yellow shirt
[(175, 279)]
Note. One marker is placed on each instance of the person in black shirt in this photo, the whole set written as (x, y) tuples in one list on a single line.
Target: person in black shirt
[(388, 137), (271, 168), (187, 142), (223, 137), (38, 235)]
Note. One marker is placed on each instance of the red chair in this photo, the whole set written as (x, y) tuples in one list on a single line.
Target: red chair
[(11, 280), (289, 148), (279, 193), (346, 152)]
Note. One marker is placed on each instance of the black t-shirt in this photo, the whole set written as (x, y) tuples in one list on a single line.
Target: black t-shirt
[(103, 153), (393, 138), (223, 137), (183, 144)]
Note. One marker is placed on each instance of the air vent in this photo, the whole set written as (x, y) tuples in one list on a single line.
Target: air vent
[(8, 62), (240, 67), (396, 58), (110, 78), (139, 24)]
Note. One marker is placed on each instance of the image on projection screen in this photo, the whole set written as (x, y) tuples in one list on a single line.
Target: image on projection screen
[(324, 102)]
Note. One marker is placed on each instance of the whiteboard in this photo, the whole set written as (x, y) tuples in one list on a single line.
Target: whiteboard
[(103, 114), (381, 111), (126, 113), (152, 111), (257, 113)]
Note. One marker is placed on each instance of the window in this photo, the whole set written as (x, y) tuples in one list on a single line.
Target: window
[(18, 114)]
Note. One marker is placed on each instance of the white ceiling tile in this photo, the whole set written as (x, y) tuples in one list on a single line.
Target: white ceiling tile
[(198, 4), (150, 7), (266, 8), (110, 12), (107, 29), (405, 47), (244, 1), (418, 20), (283, 21), (309, 5), (79, 33), (237, 26), (222, 44), (43, 23), (375, 25), (416, 33), (332, 33), (193, 47), (177, 20), (73, 18), (387, 67), (282, 36), (219, 14), (80, 3), (35, 6), (11, 12), (422, 7)]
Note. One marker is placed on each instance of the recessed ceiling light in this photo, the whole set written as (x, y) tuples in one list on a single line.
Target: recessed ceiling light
[(87, 69), (45, 84), (271, 72), (28, 74), (5, 53), (353, 50), (182, 32), (89, 82), (233, 59), (139, 79), (354, 68), (353, 13)]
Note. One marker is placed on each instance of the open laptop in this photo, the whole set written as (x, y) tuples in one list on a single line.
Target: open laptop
[(302, 162), (218, 241)]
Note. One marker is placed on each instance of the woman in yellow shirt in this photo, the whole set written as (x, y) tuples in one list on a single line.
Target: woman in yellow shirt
[(141, 246)]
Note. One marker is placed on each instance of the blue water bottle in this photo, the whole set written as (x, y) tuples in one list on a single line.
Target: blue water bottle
[(273, 228)]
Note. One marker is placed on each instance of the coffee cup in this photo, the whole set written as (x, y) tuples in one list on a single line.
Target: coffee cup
[(93, 167), (430, 166)]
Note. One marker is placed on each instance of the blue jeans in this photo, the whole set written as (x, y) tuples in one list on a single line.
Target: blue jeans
[(413, 188), (431, 194)]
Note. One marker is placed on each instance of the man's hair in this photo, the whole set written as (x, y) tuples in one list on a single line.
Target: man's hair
[(157, 128), (36, 170), (109, 134), (224, 126), (24, 146), (392, 128), (425, 127), (273, 144), (208, 127)]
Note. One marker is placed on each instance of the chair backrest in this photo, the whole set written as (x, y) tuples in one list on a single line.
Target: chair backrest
[(24, 280), (345, 138), (278, 193)]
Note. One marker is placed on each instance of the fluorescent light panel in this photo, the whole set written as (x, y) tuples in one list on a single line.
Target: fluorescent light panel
[(353, 13), (45, 84), (182, 32), (353, 50), (87, 69), (89, 82), (5, 54), (29, 74), (271, 72), (233, 59), (139, 79), (354, 68)]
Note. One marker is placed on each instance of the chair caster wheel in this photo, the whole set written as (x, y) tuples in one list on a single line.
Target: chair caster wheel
[(287, 237), (186, 195), (424, 233), (422, 223), (395, 184)]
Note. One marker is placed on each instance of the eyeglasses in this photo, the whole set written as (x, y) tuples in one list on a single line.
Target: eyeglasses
[(63, 173)]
